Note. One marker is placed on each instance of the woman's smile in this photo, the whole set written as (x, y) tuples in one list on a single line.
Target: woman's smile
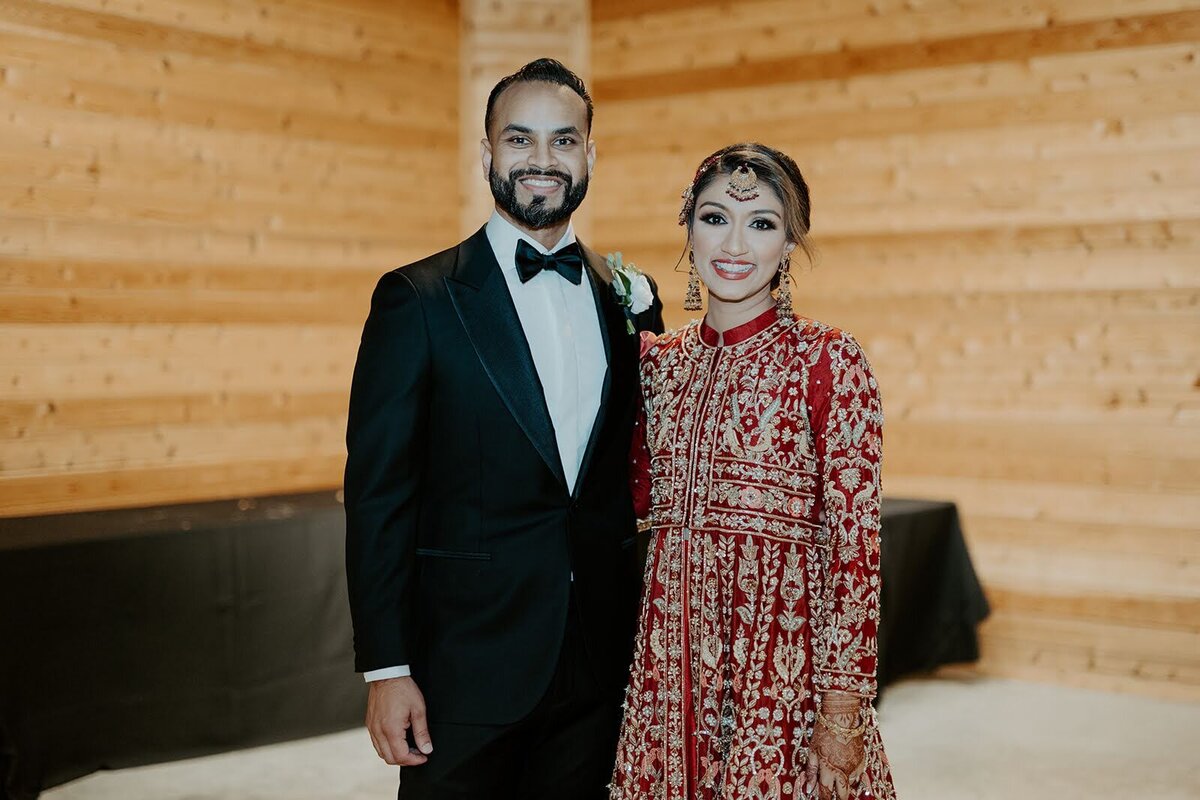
[(732, 270)]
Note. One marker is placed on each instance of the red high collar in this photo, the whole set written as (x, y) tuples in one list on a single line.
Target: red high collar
[(741, 333)]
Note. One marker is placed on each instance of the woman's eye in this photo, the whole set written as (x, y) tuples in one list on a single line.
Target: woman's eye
[(763, 225), (713, 219)]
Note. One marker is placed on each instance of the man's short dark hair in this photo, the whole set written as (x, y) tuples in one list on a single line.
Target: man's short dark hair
[(544, 70)]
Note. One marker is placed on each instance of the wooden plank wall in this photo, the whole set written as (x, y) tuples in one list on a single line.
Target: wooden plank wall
[(498, 38), (1007, 203), (196, 197)]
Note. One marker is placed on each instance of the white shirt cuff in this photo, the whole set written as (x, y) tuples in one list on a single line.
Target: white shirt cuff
[(387, 672)]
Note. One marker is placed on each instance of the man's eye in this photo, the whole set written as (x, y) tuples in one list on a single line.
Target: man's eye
[(565, 141), (518, 140), (713, 219)]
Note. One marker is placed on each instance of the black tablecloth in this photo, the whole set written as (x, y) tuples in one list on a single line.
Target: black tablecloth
[(930, 600), (139, 636), (171, 633)]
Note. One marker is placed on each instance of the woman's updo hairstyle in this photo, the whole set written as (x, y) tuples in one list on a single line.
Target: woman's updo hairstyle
[(774, 168)]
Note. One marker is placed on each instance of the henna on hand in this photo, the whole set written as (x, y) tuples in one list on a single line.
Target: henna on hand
[(839, 737), (846, 757)]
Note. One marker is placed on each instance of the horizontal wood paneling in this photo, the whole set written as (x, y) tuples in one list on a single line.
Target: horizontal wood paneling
[(196, 197), (121, 487), (1006, 204), (843, 63), (795, 36)]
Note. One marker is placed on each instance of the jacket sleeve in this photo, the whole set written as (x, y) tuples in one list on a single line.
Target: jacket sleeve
[(385, 443), (848, 428), (639, 447), (639, 467)]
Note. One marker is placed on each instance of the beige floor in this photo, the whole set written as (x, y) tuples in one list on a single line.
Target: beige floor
[(948, 740)]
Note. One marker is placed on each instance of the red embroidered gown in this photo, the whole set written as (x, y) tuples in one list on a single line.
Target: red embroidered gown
[(758, 465)]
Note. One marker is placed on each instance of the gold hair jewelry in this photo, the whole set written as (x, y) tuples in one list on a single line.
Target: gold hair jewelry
[(689, 200), (689, 193), (743, 184), (783, 301), (691, 300)]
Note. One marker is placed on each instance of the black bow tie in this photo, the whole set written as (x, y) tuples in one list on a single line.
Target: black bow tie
[(567, 262)]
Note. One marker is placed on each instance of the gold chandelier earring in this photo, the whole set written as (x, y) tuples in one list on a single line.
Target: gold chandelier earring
[(783, 300), (692, 300)]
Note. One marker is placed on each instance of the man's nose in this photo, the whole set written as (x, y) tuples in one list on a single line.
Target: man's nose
[(543, 157)]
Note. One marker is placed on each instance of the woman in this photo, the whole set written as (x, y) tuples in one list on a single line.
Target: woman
[(758, 465)]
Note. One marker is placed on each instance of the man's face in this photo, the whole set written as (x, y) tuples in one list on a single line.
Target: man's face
[(537, 156)]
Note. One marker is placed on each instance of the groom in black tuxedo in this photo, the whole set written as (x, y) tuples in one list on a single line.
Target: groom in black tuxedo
[(490, 530)]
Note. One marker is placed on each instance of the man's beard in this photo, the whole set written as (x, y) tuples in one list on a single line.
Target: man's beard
[(537, 214)]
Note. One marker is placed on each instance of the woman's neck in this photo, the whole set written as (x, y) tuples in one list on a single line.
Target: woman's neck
[(724, 315)]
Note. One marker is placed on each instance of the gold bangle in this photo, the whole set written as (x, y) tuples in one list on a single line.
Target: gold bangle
[(842, 733)]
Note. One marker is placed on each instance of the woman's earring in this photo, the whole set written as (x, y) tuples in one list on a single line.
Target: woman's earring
[(692, 301), (784, 300)]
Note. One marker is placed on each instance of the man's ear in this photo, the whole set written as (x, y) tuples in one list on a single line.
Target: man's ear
[(485, 157), (591, 156)]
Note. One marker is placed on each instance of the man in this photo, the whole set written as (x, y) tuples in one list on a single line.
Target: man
[(490, 530)]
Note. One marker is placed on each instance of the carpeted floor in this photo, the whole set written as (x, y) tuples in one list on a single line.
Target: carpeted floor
[(947, 739)]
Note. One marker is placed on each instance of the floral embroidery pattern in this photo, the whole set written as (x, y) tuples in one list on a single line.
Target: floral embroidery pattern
[(762, 583)]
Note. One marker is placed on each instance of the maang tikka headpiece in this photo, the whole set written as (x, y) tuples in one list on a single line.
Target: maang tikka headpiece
[(743, 185)]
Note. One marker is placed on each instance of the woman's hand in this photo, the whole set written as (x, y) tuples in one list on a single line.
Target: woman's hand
[(837, 752)]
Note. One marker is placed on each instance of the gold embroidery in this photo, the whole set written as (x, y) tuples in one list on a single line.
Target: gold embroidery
[(762, 583)]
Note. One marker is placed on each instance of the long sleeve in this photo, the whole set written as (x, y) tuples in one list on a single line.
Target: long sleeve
[(639, 468), (848, 425), (639, 448), (385, 442)]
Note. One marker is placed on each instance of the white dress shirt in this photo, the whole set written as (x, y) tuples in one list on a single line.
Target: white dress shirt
[(563, 331)]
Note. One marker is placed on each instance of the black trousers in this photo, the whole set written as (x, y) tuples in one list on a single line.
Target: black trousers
[(563, 749)]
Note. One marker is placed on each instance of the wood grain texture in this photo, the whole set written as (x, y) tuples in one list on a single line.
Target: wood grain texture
[(1006, 204), (999, 46), (196, 198)]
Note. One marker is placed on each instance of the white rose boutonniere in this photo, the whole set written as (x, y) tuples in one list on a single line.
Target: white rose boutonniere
[(631, 288)]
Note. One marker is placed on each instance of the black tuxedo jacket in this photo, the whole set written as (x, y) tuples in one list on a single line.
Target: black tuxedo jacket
[(461, 534)]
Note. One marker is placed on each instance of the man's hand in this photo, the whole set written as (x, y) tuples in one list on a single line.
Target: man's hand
[(393, 705)]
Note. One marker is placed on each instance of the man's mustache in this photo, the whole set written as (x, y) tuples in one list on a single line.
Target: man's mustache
[(517, 174)]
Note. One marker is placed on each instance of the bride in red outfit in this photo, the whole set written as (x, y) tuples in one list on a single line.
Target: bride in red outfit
[(757, 463)]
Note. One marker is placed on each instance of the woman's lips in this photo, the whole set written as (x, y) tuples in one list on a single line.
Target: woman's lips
[(539, 185), (733, 270)]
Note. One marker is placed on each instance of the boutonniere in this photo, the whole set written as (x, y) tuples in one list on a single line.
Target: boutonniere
[(631, 288)]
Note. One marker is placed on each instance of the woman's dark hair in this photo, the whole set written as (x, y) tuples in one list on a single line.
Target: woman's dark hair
[(774, 168), (544, 70)]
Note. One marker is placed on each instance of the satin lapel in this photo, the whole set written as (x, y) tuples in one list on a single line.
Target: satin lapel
[(615, 335), (485, 307)]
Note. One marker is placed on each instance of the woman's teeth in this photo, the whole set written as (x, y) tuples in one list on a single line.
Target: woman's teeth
[(732, 268)]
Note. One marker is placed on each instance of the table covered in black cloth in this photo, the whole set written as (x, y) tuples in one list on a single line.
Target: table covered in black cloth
[(930, 601), (136, 636)]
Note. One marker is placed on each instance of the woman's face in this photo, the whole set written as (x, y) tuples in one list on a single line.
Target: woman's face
[(738, 244)]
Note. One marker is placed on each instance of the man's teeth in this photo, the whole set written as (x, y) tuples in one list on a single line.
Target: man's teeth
[(541, 184)]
